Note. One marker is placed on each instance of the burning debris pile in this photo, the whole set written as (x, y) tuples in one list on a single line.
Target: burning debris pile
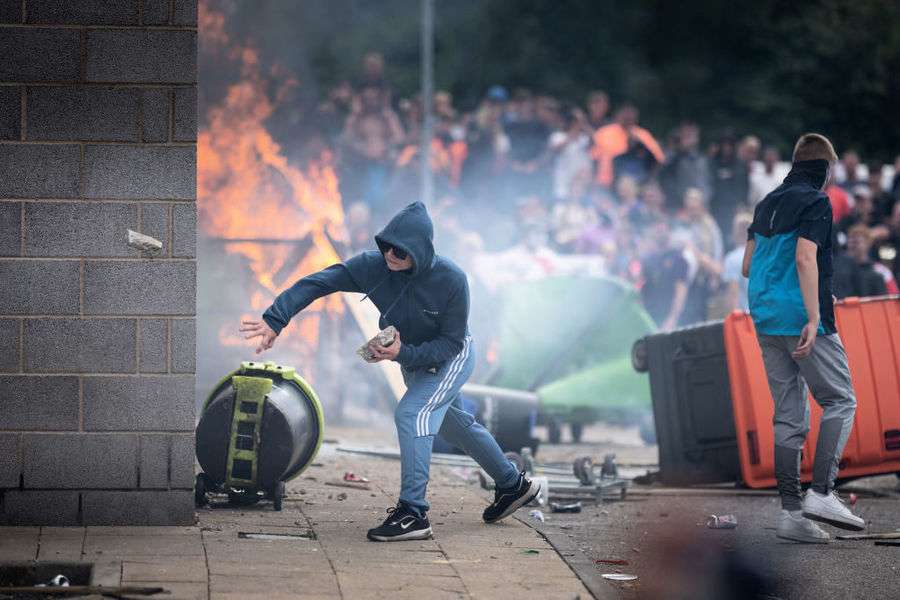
[(264, 221)]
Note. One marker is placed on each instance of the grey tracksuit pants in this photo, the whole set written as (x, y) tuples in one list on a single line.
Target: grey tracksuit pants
[(826, 373)]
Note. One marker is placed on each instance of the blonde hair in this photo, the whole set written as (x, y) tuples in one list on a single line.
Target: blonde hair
[(814, 146)]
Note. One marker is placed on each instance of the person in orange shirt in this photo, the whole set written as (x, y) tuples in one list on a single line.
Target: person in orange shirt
[(613, 140), (840, 201)]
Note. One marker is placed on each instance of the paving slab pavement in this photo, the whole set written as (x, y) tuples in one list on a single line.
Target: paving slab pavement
[(209, 561)]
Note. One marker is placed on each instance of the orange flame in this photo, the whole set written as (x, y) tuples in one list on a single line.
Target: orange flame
[(248, 190)]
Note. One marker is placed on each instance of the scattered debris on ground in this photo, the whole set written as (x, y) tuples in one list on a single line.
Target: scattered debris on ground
[(619, 577), (721, 522), (348, 484), (562, 507), (888, 535)]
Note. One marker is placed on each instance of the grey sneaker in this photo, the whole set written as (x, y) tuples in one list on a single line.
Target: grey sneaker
[(828, 508), (797, 528)]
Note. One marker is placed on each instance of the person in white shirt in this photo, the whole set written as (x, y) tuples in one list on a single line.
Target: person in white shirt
[(766, 176)]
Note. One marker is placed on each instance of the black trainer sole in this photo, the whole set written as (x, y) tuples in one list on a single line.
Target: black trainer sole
[(517, 504), (419, 534), (833, 522)]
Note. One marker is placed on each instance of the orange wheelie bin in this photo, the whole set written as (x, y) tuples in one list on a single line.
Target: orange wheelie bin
[(870, 331)]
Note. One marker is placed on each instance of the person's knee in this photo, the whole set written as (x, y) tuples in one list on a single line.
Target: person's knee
[(837, 402), (791, 435), (405, 418)]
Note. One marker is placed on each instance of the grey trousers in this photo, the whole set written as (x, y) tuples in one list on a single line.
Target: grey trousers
[(826, 373)]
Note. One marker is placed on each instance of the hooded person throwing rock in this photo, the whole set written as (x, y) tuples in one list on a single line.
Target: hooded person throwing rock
[(426, 297)]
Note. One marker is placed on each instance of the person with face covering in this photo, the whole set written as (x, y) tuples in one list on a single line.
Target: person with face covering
[(426, 297), (788, 258)]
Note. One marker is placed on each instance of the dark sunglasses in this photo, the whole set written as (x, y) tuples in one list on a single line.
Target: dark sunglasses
[(400, 253)]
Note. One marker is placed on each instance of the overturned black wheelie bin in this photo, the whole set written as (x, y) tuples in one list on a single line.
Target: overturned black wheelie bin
[(260, 427), (692, 406)]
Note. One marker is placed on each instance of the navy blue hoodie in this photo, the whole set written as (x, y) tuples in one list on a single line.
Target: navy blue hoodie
[(428, 304)]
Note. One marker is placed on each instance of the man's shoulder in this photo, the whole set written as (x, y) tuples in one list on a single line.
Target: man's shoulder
[(788, 200), (801, 191), (366, 264), (444, 267), (368, 258)]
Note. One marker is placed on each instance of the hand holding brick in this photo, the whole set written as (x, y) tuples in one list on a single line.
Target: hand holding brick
[(385, 338)]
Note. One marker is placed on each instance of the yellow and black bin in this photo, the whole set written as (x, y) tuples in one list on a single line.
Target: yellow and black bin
[(260, 427)]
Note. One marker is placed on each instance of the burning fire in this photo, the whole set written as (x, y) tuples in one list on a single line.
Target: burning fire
[(280, 216)]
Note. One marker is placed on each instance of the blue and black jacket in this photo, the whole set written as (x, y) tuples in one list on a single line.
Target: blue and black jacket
[(428, 304), (797, 208)]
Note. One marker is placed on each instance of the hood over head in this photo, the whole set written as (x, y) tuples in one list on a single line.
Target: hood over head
[(411, 230)]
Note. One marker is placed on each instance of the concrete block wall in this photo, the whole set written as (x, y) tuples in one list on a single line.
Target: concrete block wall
[(98, 120)]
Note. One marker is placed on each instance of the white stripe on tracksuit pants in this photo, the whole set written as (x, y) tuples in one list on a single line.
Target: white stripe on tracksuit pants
[(430, 405), (453, 372)]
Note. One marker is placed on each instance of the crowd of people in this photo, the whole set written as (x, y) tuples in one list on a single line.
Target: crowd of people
[(530, 171)]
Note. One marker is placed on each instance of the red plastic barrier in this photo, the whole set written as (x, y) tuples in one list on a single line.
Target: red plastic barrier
[(870, 331)]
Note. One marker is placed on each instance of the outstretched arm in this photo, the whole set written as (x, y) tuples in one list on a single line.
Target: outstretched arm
[(294, 299), (335, 278)]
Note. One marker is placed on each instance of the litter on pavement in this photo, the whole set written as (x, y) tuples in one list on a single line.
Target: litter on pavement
[(619, 577), (721, 522), (536, 514), (348, 484), (354, 478), (563, 507), (869, 536), (58, 581)]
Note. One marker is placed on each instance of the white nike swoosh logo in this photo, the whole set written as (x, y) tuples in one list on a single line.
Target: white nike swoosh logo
[(406, 524)]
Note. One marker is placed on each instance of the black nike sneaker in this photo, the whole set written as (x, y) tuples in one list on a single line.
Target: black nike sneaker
[(507, 501), (401, 524)]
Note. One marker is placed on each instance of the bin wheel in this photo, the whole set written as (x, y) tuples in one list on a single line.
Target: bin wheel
[(639, 356), (242, 497), (278, 495), (200, 490), (554, 433), (576, 429)]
